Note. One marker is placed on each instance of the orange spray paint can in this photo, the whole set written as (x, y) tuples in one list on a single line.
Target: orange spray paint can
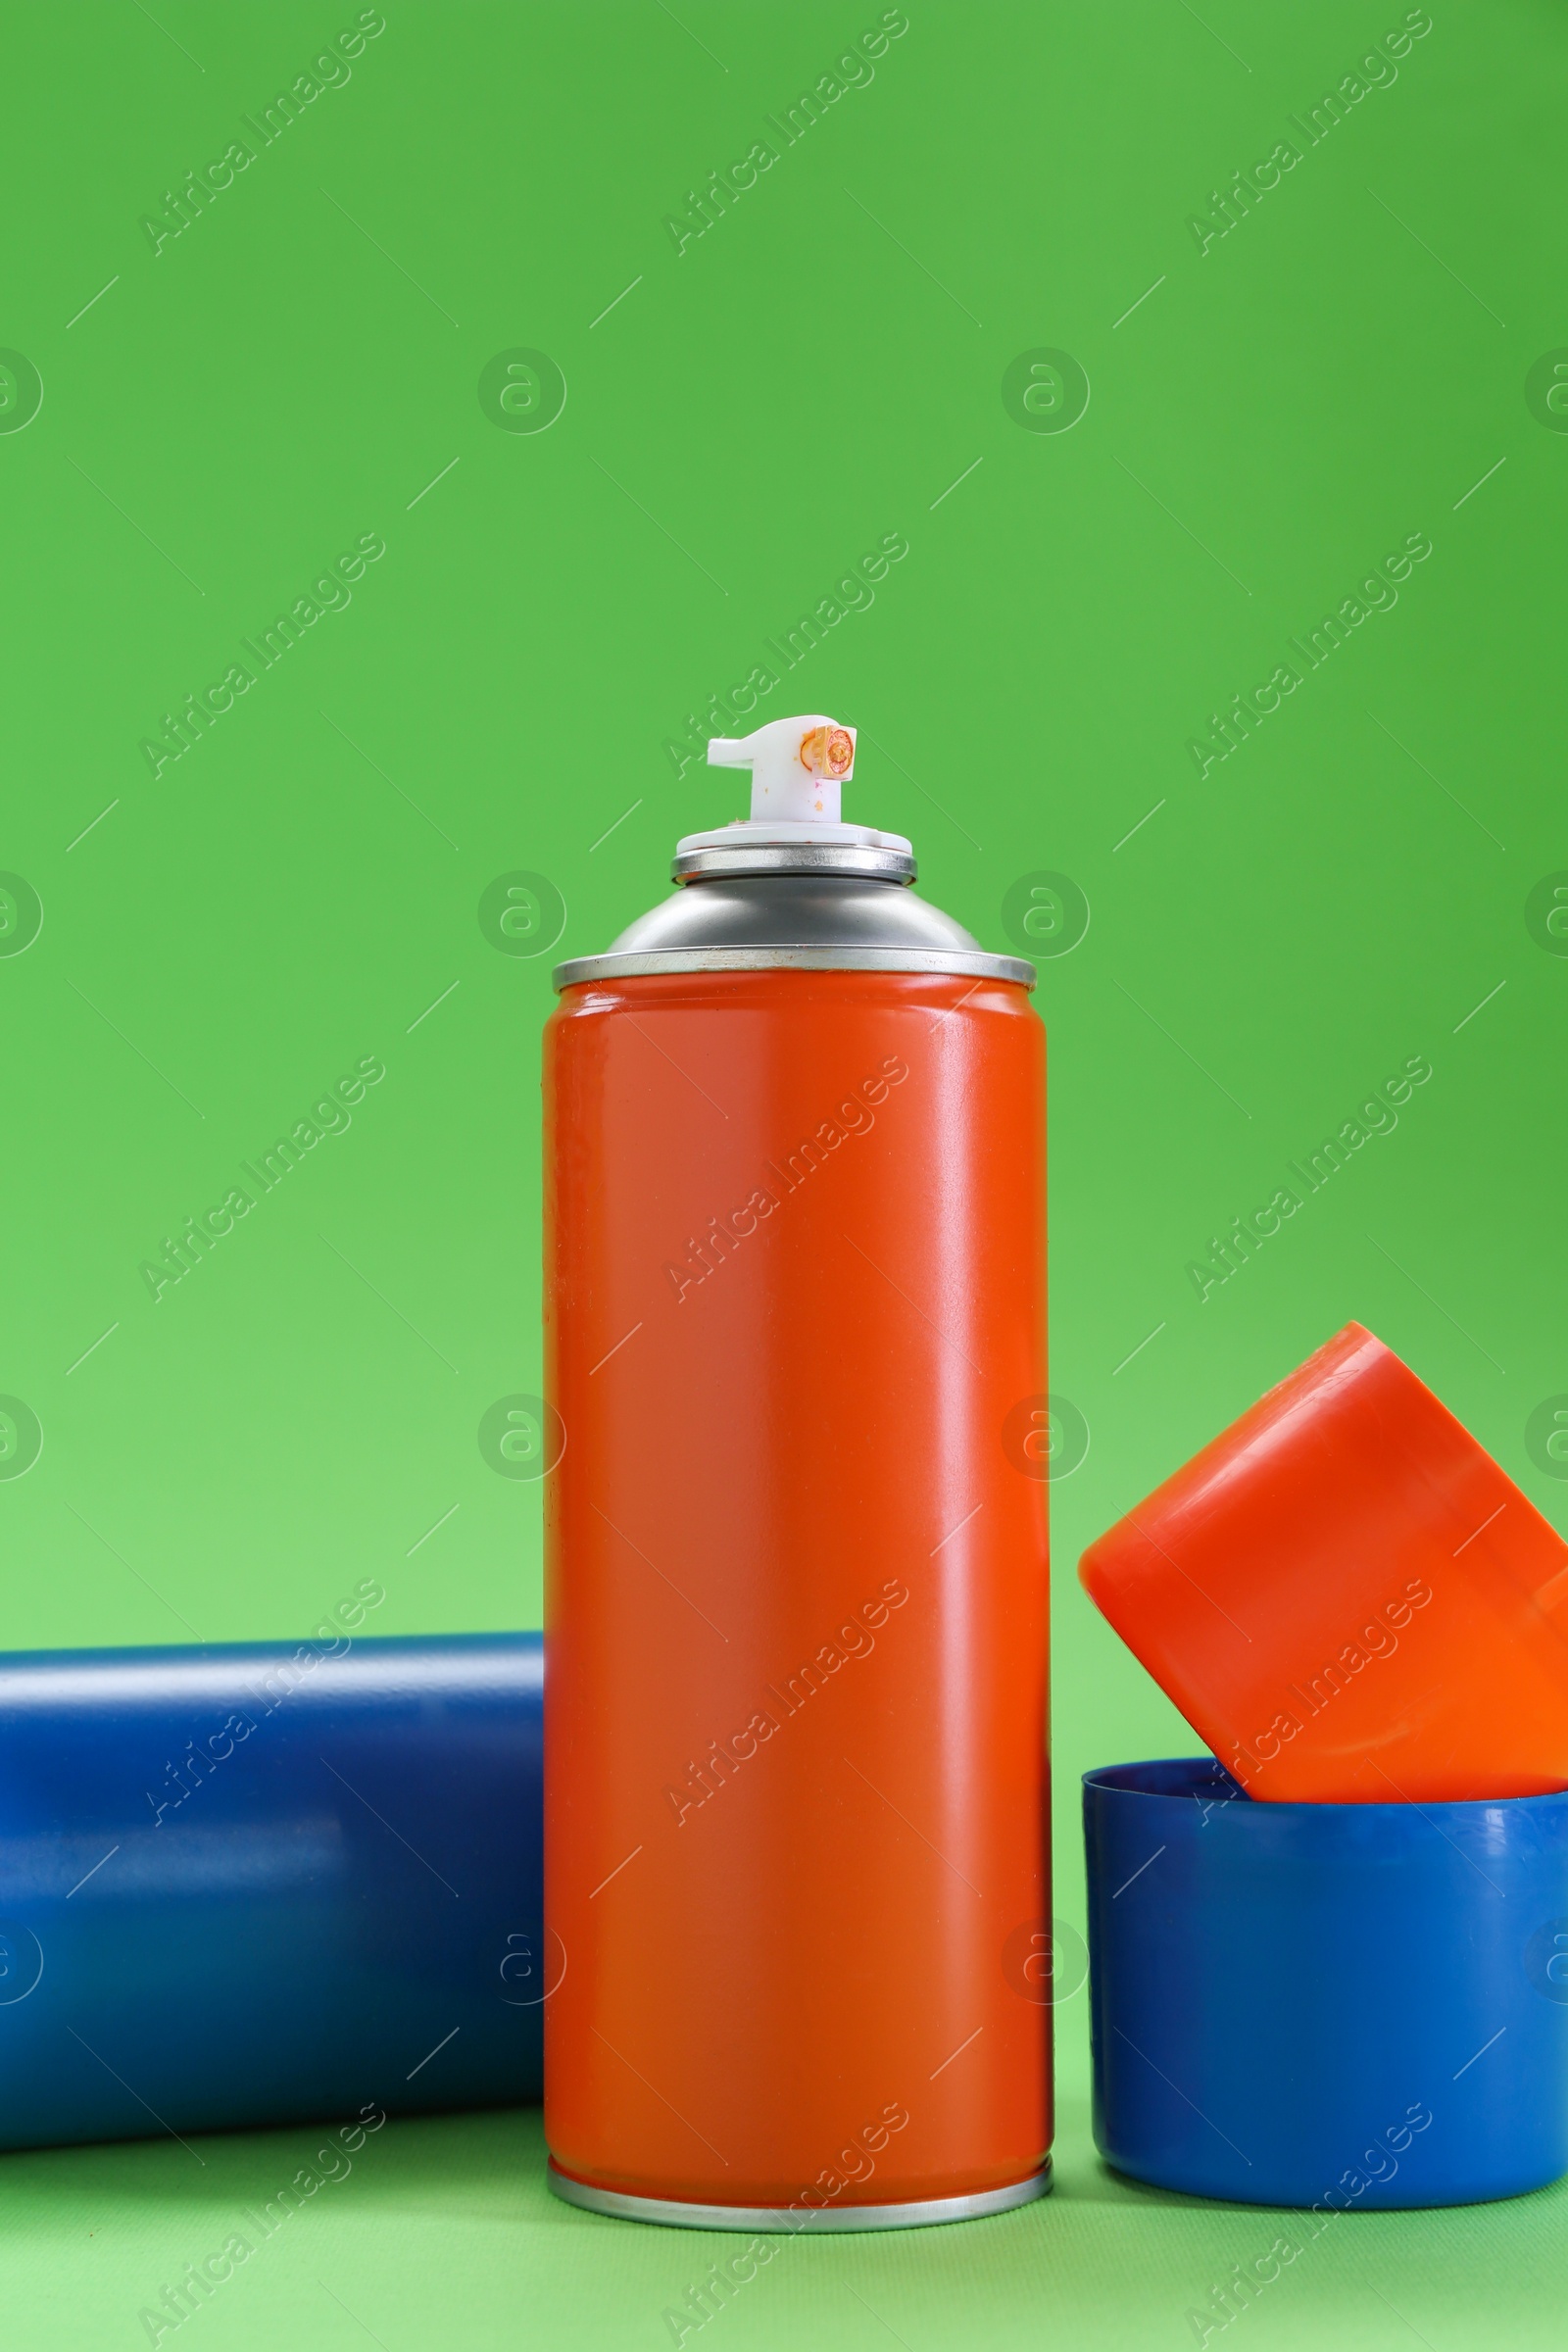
[(796, 1830)]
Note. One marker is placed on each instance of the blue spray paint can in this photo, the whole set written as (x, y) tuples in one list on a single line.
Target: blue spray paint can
[(256, 1882)]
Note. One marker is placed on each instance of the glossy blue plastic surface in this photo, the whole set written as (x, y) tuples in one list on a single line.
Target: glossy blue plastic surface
[(1281, 1992), (206, 1924)]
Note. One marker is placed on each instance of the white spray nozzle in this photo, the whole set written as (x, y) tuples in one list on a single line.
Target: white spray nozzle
[(797, 766)]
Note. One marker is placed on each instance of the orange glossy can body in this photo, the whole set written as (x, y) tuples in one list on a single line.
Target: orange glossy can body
[(796, 1617)]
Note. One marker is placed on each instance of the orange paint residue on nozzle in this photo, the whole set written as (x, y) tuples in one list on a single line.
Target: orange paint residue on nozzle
[(827, 752)]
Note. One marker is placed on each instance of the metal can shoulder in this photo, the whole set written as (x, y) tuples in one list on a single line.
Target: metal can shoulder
[(817, 920)]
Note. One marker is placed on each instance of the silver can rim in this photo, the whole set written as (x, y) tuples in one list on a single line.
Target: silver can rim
[(859, 862), (802, 959), (923, 2213)]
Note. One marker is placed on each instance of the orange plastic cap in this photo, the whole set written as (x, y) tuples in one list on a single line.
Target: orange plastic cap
[(1347, 1598)]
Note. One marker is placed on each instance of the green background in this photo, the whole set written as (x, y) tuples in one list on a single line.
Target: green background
[(299, 367)]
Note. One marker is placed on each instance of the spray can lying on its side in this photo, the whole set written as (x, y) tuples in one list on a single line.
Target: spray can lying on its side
[(797, 1876), (258, 1884)]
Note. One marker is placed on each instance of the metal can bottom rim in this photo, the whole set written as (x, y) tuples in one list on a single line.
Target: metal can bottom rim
[(920, 2213)]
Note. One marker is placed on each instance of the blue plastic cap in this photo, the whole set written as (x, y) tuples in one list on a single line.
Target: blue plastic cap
[(1339, 2006)]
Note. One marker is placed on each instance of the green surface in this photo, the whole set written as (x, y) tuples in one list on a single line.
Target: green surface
[(443, 2234), (320, 359)]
